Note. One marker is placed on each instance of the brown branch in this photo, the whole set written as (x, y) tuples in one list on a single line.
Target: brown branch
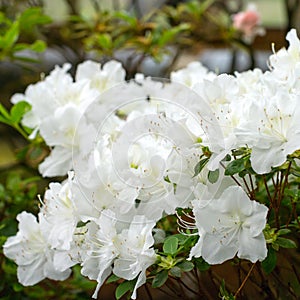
[(244, 282)]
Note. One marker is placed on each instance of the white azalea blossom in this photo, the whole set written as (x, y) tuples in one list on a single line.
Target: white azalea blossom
[(273, 131), (100, 249), (127, 253), (222, 93), (228, 226), (99, 78), (32, 253), (194, 73), (61, 132), (285, 63), (54, 92), (136, 252), (60, 216)]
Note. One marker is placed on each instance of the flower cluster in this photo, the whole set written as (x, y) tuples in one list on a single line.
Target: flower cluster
[(134, 152)]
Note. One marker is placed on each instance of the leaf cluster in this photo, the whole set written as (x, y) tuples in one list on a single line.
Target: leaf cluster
[(12, 33)]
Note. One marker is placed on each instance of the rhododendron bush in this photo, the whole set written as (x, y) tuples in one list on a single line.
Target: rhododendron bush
[(163, 178)]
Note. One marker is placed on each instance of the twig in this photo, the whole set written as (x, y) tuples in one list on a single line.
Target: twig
[(251, 182), (243, 283), (247, 187), (267, 188)]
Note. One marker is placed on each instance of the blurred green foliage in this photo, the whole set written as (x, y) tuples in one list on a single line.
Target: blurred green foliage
[(164, 31), (12, 33)]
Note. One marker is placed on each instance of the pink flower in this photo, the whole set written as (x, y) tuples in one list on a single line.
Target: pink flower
[(248, 22)]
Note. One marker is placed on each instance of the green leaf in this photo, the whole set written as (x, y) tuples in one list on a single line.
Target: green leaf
[(213, 176), (170, 245), (175, 272), (3, 239), (160, 279), (227, 158), (105, 41), (283, 231), (18, 110), (269, 263), (36, 153), (201, 264), (2, 196), (235, 166), (181, 238), (112, 278), (5, 121), (295, 193), (205, 5), (186, 266), (32, 17), (17, 287), (11, 36), (25, 59), (224, 294), (4, 19), (32, 191), (38, 46), (124, 287), (200, 165), (170, 34), (240, 151), (285, 243), (19, 47), (4, 112), (132, 20), (275, 246), (2, 225), (13, 181)]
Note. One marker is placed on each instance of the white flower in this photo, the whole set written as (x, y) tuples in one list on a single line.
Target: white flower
[(111, 74), (63, 260), (136, 252), (230, 225), (100, 249), (69, 137), (59, 162), (59, 215), (223, 95), (223, 89), (55, 91), (194, 73), (128, 254), (272, 129), (249, 80), (286, 62), (31, 252)]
